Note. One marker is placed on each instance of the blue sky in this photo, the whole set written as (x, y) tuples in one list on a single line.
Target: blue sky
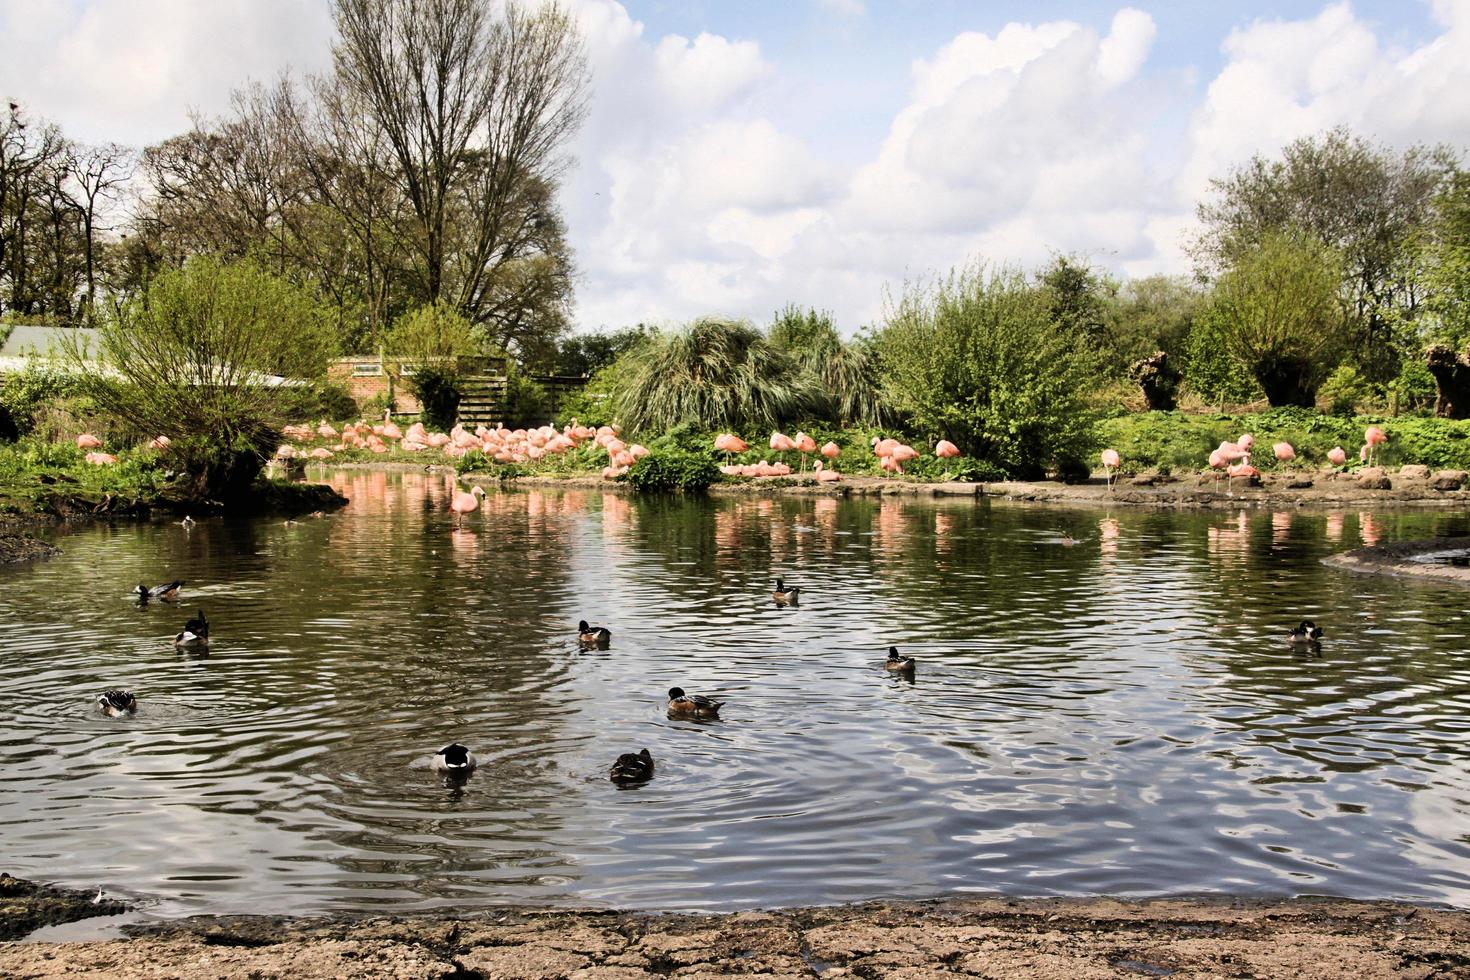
[(742, 155)]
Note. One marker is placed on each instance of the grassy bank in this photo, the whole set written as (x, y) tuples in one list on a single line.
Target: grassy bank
[(1180, 442), (54, 480)]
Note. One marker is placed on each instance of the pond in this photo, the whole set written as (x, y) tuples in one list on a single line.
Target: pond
[(1119, 716)]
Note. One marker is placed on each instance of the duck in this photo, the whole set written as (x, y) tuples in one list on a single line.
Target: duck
[(115, 704), (593, 636), (1308, 632), (683, 705), (188, 521), (897, 662), (454, 760), (165, 593), (782, 594), (632, 767), (195, 634)]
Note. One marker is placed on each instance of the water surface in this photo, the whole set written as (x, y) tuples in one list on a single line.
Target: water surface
[(1118, 716)]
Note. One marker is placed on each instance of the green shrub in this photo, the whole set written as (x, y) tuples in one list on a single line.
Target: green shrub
[(28, 392), (975, 358), (664, 470), (193, 357), (438, 392)]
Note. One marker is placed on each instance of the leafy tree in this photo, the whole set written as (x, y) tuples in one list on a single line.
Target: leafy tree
[(711, 374), (211, 355), (586, 354), (1367, 203), (1279, 313), (1078, 298), (976, 358), (1155, 313), (425, 348)]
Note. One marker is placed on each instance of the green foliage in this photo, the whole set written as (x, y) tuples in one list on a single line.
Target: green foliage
[(1180, 441), (845, 387), (197, 357), (975, 358), (36, 387), (586, 354), (1077, 297), (1214, 375), (667, 469), (438, 393), (711, 373), (1156, 313), (527, 403), (1345, 389), (1447, 267), (1278, 313), (35, 473)]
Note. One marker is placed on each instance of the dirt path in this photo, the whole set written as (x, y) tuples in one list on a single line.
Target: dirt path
[(1061, 939)]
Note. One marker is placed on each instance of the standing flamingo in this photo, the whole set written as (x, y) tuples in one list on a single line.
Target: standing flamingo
[(804, 444), (1111, 461), (1373, 437), (945, 449), (461, 503), (782, 443)]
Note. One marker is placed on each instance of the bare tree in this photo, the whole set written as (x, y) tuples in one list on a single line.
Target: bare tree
[(96, 174), (476, 111)]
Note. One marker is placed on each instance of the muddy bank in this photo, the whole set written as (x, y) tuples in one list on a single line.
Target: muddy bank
[(26, 906), (18, 546), (1440, 559), (1061, 939)]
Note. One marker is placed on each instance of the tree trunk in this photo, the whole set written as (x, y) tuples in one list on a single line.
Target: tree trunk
[(1452, 378), (1159, 380), (1288, 381)]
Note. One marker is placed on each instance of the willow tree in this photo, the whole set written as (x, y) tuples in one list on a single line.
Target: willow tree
[(1280, 313)]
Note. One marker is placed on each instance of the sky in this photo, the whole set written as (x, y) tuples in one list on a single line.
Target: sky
[(740, 156)]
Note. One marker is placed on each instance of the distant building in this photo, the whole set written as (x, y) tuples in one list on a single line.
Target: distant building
[(28, 343)]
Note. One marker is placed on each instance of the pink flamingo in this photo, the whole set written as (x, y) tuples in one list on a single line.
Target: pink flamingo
[(1374, 437), (804, 444), (461, 503), (945, 449), (88, 441), (1337, 456), (824, 475), (1284, 452), (1111, 461), (831, 450)]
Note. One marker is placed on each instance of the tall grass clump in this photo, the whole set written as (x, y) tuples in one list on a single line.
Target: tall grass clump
[(975, 358), (845, 388), (711, 374)]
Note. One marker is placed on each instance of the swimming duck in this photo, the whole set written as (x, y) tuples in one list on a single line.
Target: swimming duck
[(593, 636), (454, 760), (195, 635), (1307, 632), (166, 593), (115, 704), (632, 768), (896, 662), (783, 594), (683, 705), (188, 521)]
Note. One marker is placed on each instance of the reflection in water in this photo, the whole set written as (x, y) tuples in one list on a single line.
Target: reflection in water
[(1118, 716)]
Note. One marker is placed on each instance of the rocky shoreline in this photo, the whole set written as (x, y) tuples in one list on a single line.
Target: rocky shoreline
[(1061, 939), (1411, 559), (26, 906)]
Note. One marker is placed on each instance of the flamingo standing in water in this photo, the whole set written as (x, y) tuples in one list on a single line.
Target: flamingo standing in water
[(461, 503)]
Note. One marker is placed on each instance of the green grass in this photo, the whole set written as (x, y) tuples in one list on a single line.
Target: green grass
[(1178, 441)]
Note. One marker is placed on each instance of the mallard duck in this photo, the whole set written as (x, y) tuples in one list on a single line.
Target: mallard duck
[(783, 593), (593, 636), (195, 634), (896, 662), (454, 760), (683, 705), (1308, 632), (632, 768), (115, 704), (165, 593)]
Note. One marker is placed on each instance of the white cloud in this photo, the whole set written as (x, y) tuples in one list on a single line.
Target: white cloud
[(695, 192), (131, 70)]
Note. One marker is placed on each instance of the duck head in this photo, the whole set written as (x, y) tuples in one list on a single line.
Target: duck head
[(675, 693)]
